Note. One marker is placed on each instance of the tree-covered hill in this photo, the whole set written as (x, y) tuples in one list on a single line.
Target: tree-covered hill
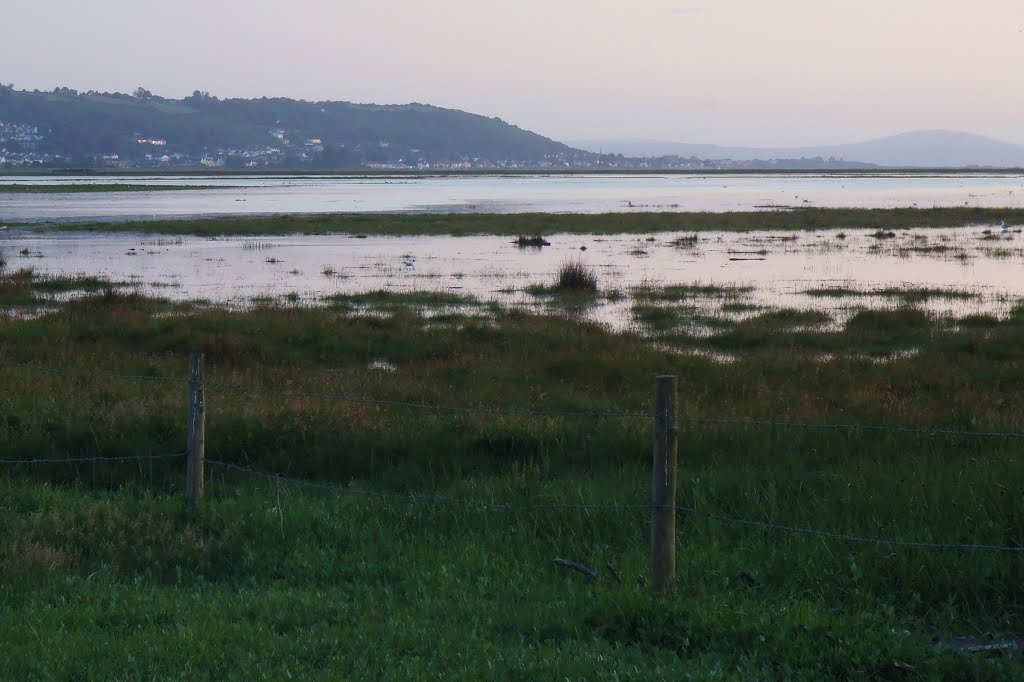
[(85, 127)]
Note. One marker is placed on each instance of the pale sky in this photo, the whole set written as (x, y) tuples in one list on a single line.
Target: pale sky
[(737, 72)]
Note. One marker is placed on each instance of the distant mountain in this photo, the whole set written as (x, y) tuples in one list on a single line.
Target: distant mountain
[(926, 148), (84, 127)]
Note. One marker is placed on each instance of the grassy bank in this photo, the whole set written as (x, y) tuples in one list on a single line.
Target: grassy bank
[(515, 225), (270, 579)]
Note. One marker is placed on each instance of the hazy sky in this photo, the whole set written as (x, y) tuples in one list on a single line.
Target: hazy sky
[(745, 72)]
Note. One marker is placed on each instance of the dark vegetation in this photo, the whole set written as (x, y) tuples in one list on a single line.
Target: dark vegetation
[(908, 295), (515, 225), (535, 241), (681, 292), (687, 241), (382, 298), (24, 288), (267, 579)]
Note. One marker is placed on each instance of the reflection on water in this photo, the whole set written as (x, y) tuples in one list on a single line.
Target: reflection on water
[(853, 266), (242, 195)]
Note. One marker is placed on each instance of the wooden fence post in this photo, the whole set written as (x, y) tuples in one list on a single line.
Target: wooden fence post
[(663, 488), (196, 430)]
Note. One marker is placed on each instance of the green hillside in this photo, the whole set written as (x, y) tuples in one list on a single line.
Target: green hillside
[(79, 127)]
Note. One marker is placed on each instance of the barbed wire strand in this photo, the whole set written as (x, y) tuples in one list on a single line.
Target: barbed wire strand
[(333, 396), (76, 460), (487, 504), (458, 409), (767, 525), (714, 421), (59, 371), (536, 412), (417, 497)]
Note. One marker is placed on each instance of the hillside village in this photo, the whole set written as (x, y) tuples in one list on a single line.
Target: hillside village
[(55, 130), (24, 146), (20, 144)]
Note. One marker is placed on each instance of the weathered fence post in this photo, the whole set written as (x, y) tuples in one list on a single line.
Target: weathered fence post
[(663, 488), (196, 430)]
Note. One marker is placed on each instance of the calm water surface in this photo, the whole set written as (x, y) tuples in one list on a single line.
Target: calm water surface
[(781, 266), (239, 195)]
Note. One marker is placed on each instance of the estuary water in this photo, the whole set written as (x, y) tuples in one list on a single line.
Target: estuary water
[(981, 269), (263, 195)]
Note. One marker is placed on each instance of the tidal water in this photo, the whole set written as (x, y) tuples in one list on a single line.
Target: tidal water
[(262, 195), (781, 267)]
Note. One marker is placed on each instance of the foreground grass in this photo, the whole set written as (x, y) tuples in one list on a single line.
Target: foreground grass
[(517, 225), (269, 580), (267, 583)]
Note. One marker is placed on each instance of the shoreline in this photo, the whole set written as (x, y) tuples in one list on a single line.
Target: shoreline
[(372, 173)]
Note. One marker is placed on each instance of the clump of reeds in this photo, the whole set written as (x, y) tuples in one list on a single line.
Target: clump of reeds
[(536, 241), (575, 276), (257, 245), (686, 241)]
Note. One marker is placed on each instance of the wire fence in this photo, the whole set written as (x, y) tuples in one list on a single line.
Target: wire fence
[(521, 411), (483, 504), (85, 459), (691, 511)]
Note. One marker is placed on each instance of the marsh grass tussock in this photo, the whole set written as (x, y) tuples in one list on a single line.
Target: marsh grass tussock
[(686, 241), (536, 241), (331, 272), (574, 276)]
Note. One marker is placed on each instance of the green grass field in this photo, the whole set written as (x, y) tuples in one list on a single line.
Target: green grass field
[(402, 568)]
